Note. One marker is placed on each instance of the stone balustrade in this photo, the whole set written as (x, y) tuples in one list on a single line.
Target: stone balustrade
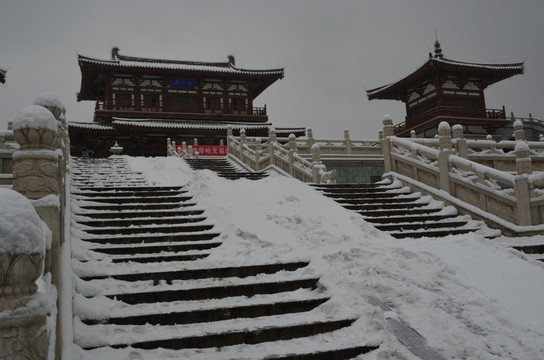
[(30, 320), (508, 195)]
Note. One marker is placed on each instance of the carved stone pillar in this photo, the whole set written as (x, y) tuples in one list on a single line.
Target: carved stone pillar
[(524, 164), (23, 310), (35, 165), (519, 133), (444, 133), (347, 141), (310, 136), (388, 126)]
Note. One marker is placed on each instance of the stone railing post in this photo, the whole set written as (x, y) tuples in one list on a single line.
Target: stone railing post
[(35, 170), (23, 310), (444, 136), (347, 141), (386, 143), (168, 147), (310, 136), (272, 142), (462, 147), (292, 151), (388, 126), (413, 134), (522, 191), (243, 136), (195, 142), (258, 149), (493, 145), (229, 135), (519, 133), (444, 133), (317, 166), (523, 159)]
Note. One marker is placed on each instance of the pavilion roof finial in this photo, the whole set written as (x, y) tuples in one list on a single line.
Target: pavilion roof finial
[(437, 48)]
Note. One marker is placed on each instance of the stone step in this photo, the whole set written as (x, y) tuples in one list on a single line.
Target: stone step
[(153, 238), (408, 219), (203, 273), (125, 207), (242, 336), (366, 195), (159, 259), (149, 230), (136, 200), (143, 221), (420, 226), (137, 189), (219, 291), (349, 186), (138, 214), (337, 354), (380, 200), (394, 206), (432, 233), (217, 314), (386, 213), (531, 249), (126, 193), (169, 247)]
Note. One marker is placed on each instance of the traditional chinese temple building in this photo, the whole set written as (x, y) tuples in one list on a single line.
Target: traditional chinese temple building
[(140, 102), (448, 90)]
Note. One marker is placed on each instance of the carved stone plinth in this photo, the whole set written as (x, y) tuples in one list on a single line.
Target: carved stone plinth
[(35, 174), (23, 310), (23, 338)]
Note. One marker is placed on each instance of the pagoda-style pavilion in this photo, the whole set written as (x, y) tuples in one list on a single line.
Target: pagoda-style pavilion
[(448, 90), (140, 102)]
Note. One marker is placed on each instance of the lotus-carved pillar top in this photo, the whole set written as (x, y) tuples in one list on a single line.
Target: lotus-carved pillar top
[(35, 127), (22, 249), (52, 103)]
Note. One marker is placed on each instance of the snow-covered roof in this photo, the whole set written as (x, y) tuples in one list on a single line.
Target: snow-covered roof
[(138, 62), (188, 124), (491, 72), (90, 126)]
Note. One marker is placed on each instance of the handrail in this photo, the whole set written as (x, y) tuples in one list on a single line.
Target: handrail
[(510, 191)]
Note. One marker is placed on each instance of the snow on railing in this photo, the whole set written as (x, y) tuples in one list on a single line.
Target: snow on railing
[(272, 154), (40, 166), (509, 190)]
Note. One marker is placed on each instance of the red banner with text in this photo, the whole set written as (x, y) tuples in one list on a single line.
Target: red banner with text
[(207, 150)]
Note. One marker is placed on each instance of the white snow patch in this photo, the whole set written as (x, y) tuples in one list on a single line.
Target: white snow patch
[(35, 117), (21, 229)]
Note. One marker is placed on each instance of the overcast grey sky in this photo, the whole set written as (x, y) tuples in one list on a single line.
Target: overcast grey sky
[(331, 50)]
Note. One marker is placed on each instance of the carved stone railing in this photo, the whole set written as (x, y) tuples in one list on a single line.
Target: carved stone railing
[(257, 155), (509, 196), (7, 148), (331, 148), (40, 164)]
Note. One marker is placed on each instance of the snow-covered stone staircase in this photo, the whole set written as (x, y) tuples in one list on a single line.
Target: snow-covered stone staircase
[(224, 168), (533, 251), (395, 209), (144, 288)]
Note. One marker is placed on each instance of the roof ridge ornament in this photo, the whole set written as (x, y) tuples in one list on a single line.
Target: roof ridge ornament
[(115, 53), (438, 49)]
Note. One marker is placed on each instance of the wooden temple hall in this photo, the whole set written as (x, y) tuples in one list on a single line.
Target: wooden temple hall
[(140, 102), (448, 90)]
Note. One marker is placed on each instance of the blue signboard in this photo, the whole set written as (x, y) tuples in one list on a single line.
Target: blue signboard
[(182, 83)]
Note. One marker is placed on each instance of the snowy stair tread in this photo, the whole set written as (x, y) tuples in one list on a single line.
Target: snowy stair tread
[(224, 168), (395, 209), (143, 281)]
